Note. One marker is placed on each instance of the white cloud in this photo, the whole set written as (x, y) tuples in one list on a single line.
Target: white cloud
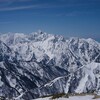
[(14, 0), (18, 8)]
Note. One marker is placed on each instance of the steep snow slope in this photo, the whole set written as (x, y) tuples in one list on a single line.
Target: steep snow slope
[(39, 64)]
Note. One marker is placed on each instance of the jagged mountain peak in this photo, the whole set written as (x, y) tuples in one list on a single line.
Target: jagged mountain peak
[(40, 43), (39, 36)]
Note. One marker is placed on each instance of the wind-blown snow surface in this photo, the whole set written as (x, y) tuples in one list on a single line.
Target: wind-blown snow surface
[(39, 64)]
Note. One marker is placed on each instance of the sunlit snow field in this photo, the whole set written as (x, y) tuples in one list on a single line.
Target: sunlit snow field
[(87, 97)]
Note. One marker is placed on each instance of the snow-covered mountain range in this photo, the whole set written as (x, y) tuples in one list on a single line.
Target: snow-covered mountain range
[(40, 64)]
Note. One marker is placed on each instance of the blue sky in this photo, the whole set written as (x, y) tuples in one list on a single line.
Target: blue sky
[(77, 18)]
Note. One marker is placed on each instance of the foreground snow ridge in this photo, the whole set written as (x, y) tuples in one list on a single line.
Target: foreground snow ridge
[(87, 97), (40, 64)]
